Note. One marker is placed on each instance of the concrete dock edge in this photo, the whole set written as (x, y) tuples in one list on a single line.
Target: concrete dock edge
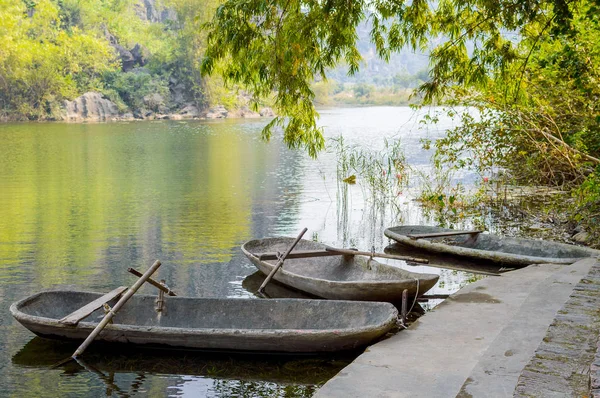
[(477, 343)]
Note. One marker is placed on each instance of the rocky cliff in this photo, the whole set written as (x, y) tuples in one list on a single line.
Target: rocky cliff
[(91, 106)]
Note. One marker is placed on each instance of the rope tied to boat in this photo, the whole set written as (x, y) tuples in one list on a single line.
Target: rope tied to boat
[(416, 295), (401, 319), (108, 310)]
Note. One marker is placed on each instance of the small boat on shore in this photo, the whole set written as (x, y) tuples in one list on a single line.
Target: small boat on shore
[(333, 275), (276, 325), (488, 247)]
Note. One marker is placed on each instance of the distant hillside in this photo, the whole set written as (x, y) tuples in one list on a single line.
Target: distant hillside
[(136, 59), (405, 69), (133, 58)]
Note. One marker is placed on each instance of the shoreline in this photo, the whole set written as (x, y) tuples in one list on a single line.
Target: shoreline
[(487, 339)]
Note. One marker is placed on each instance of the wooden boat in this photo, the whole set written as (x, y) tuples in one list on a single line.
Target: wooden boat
[(488, 247), (277, 325), (455, 263), (332, 275)]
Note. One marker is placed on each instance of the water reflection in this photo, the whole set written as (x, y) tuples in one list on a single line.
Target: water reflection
[(273, 289), (126, 371), (80, 203)]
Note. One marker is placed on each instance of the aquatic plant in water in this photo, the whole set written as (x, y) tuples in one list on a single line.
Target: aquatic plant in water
[(381, 173)]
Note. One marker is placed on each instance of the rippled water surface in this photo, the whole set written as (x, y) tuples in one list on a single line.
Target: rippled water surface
[(80, 203)]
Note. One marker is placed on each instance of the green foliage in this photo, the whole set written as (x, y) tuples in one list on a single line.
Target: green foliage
[(551, 133), (540, 124), (40, 64), (54, 50), (588, 193), (441, 197), (324, 91), (331, 93), (587, 201), (132, 87), (183, 54), (362, 90), (304, 38), (382, 173)]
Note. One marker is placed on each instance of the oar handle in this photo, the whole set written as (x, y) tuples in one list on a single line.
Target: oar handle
[(115, 309), (442, 234), (151, 281), (373, 254), (281, 260)]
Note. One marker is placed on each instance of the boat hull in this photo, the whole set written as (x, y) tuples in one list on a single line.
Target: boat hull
[(279, 325), (487, 247), (338, 277)]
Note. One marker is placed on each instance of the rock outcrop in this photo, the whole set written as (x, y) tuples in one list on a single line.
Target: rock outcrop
[(156, 103), (140, 54), (189, 111), (147, 10), (217, 112), (137, 56), (127, 60), (91, 106), (267, 112), (178, 91), (581, 237), (244, 112)]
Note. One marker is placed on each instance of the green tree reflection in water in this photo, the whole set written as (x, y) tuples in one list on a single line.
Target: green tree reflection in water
[(73, 194)]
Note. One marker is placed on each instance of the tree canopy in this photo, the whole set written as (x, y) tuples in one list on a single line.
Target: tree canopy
[(281, 46), (56, 50)]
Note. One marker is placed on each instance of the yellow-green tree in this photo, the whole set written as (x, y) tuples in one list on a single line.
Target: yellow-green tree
[(41, 64)]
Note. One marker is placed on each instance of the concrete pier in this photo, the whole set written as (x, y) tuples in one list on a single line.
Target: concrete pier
[(477, 343)]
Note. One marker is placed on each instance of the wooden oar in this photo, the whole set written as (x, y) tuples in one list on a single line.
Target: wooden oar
[(441, 234), (115, 309), (297, 254), (426, 298), (353, 252), (466, 269), (151, 281), (280, 262)]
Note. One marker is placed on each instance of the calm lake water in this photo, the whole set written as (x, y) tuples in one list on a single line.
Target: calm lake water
[(80, 203)]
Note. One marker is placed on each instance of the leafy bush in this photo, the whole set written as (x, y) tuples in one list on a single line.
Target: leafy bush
[(587, 212), (362, 90), (41, 65), (54, 50), (133, 86)]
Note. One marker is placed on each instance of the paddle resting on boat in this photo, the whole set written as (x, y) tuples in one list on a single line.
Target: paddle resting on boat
[(333, 275)]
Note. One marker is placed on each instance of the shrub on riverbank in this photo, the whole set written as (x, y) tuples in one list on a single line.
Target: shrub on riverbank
[(539, 123), (41, 64), (57, 50)]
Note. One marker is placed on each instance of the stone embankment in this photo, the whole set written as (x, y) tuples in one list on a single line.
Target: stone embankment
[(567, 361)]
